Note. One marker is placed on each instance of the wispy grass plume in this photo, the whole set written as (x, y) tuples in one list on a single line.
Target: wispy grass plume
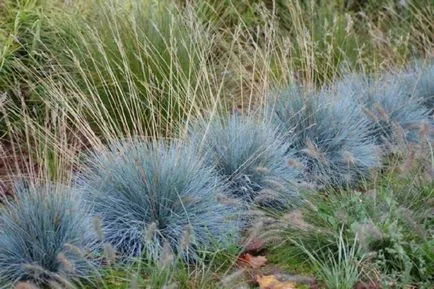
[(132, 66)]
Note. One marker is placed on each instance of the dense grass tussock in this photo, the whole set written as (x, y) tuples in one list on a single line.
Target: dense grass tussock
[(393, 103), (251, 156), (420, 82), (45, 236), (153, 197), (329, 135)]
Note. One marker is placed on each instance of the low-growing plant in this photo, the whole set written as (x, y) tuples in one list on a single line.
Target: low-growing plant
[(392, 224), (341, 269), (330, 135), (391, 104), (46, 235), (252, 158), (420, 83), (157, 201), (215, 273)]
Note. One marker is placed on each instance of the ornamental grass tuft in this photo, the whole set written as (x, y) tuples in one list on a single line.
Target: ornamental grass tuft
[(46, 235), (157, 200), (393, 103), (251, 156), (330, 136)]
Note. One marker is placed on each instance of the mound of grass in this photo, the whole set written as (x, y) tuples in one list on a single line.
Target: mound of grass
[(330, 135), (46, 236), (156, 200), (395, 109), (419, 78), (249, 154)]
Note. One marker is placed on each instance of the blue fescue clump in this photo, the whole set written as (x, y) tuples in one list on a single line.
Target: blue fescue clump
[(151, 196), (45, 236), (252, 158), (330, 135), (391, 104), (420, 82)]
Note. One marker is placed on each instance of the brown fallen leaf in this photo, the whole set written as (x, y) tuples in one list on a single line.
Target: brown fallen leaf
[(271, 282), (255, 262)]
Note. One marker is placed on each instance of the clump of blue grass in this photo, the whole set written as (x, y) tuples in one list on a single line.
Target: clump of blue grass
[(331, 136), (46, 235), (420, 83), (155, 198), (395, 109), (253, 159)]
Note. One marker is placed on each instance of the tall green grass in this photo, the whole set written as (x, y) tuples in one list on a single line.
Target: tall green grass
[(135, 66), (141, 66), (28, 39)]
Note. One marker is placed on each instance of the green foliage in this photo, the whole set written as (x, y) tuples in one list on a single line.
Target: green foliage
[(141, 274), (134, 64), (321, 37), (28, 38), (341, 269), (391, 224)]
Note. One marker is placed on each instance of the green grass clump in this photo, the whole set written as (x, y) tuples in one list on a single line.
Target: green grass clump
[(24, 28), (341, 269), (212, 274)]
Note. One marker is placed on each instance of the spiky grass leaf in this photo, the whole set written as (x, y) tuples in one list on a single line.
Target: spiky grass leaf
[(156, 199), (330, 135), (251, 157), (45, 235)]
